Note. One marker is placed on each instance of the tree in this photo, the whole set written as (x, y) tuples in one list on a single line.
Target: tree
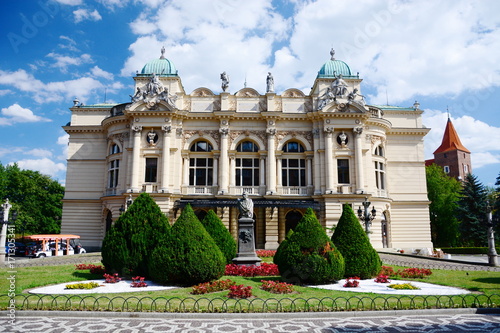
[(127, 246), (360, 257), (495, 205), (471, 212), (226, 243), (443, 193), (188, 255), (36, 197), (307, 255)]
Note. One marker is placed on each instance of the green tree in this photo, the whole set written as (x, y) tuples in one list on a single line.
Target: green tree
[(471, 212), (36, 197), (188, 255), (127, 246), (495, 205), (226, 243), (307, 255), (443, 193), (360, 257)]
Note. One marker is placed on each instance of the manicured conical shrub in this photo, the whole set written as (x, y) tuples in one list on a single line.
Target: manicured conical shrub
[(308, 256), (128, 245), (351, 240), (188, 255), (226, 243)]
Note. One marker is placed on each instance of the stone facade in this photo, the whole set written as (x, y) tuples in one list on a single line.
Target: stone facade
[(288, 152)]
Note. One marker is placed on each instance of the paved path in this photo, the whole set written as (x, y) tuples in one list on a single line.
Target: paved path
[(461, 320)]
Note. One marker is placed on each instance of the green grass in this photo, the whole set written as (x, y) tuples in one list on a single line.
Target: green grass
[(485, 286)]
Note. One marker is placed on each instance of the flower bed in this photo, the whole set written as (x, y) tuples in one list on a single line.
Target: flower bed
[(94, 269), (210, 287), (138, 282), (352, 282), (83, 285), (382, 279), (403, 286), (277, 287), (407, 273), (112, 278), (265, 253), (240, 291), (264, 269)]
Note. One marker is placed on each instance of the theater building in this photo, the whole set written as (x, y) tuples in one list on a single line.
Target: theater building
[(288, 151)]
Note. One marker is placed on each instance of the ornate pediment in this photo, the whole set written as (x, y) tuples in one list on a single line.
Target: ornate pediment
[(153, 92)]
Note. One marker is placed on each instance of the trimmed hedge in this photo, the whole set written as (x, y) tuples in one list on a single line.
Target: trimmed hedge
[(128, 245), (188, 255), (360, 257), (226, 243), (308, 256)]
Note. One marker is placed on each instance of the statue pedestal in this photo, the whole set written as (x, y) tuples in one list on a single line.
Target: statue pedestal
[(246, 243)]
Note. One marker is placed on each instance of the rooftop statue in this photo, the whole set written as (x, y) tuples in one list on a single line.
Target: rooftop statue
[(225, 81), (270, 83)]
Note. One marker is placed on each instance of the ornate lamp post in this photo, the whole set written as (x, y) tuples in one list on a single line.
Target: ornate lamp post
[(5, 222), (366, 216), (492, 252)]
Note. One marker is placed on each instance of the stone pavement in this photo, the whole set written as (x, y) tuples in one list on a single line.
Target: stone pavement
[(443, 320)]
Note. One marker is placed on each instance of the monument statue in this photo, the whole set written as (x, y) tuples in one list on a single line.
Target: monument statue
[(245, 205), (270, 82), (225, 81)]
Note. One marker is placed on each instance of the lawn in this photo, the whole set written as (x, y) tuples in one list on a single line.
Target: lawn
[(484, 285)]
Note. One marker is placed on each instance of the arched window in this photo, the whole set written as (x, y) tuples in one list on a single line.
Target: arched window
[(247, 164), (114, 149), (201, 164), (379, 151), (293, 165)]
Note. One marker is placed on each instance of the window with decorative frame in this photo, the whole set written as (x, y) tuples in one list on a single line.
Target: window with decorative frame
[(201, 164), (343, 171), (247, 170), (293, 165), (380, 177)]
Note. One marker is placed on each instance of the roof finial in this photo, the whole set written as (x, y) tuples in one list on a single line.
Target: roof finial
[(162, 52), (332, 54), (448, 112)]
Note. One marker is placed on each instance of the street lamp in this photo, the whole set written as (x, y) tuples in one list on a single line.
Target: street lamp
[(5, 222), (366, 216), (492, 252)]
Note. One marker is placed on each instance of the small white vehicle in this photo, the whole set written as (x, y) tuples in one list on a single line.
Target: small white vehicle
[(54, 245)]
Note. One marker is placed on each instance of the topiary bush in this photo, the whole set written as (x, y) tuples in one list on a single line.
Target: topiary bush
[(128, 245), (349, 237), (226, 243), (308, 256), (188, 255)]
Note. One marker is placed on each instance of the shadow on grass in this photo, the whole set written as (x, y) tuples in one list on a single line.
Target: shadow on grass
[(260, 278), (494, 280), (87, 275)]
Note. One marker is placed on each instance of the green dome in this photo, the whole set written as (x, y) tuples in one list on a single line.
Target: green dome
[(159, 67), (333, 67)]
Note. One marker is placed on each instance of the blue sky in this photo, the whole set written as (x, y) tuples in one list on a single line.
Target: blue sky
[(442, 53)]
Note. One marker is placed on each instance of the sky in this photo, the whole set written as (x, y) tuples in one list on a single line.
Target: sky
[(441, 53)]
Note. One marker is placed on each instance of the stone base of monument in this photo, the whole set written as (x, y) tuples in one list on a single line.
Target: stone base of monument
[(246, 243)]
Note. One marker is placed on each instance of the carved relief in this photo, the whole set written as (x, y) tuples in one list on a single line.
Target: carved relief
[(217, 106), (187, 104), (232, 105), (278, 105)]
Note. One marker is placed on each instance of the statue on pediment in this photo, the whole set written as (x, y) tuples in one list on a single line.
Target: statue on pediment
[(339, 86), (353, 95)]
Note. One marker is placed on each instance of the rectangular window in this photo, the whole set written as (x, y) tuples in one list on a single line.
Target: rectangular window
[(114, 167), (466, 168), (247, 172), (343, 171), (379, 175), (151, 170), (446, 169)]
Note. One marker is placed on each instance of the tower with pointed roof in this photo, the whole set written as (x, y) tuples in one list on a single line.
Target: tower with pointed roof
[(452, 154)]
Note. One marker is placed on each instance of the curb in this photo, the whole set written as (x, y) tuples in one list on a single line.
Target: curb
[(288, 315)]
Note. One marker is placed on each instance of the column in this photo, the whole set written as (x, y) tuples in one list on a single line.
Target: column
[(231, 171), (309, 171), (360, 181), (329, 159), (165, 159), (279, 181), (136, 155), (185, 170), (271, 161), (317, 162), (224, 161)]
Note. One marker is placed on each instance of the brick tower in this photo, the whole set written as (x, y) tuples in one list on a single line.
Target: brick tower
[(452, 155)]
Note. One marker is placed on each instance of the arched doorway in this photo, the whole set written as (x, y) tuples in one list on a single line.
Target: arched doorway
[(385, 231), (200, 214), (109, 220), (292, 218)]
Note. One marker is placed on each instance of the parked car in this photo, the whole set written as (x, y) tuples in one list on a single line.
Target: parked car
[(19, 248)]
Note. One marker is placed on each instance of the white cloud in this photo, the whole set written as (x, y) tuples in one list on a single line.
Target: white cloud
[(39, 152), (85, 14), (63, 62), (68, 44), (63, 141), (44, 165), (98, 72), (70, 2), (17, 114)]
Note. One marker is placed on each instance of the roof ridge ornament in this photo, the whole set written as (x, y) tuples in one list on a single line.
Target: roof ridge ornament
[(332, 54), (162, 52)]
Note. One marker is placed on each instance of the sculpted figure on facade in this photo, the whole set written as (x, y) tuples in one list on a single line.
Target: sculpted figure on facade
[(269, 83), (225, 81), (339, 86), (353, 95), (245, 205), (326, 98), (153, 92)]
